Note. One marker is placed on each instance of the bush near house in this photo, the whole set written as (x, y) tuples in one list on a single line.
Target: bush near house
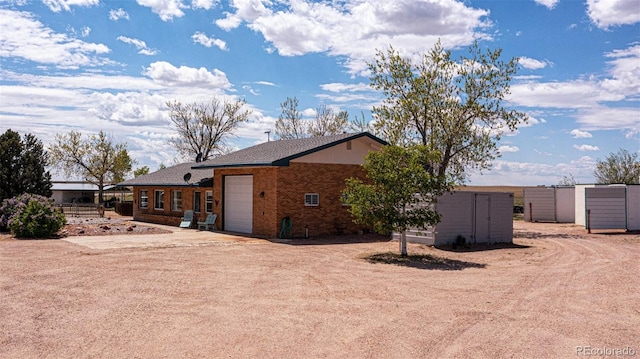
[(31, 216)]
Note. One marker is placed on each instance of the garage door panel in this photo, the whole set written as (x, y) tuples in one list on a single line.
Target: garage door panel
[(238, 204)]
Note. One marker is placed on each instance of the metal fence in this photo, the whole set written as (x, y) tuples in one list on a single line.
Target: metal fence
[(82, 209)]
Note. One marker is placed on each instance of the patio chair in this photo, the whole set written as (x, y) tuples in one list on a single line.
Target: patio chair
[(187, 220), (209, 223)]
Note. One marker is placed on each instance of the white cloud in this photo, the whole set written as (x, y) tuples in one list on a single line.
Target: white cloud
[(59, 5), (203, 4), (569, 94), (355, 30), (168, 75), (532, 64), (344, 87), (550, 4), (575, 133), (586, 148), (610, 118), (115, 15), (265, 83), (624, 71), (21, 36), (86, 31), (166, 9), (606, 13), (202, 39), (139, 44), (505, 149)]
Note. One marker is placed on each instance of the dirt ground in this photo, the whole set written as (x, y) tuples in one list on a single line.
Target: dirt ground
[(558, 292)]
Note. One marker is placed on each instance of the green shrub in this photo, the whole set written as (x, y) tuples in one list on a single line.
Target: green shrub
[(32, 216)]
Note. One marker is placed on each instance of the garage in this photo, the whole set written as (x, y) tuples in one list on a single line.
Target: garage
[(238, 204), (549, 204)]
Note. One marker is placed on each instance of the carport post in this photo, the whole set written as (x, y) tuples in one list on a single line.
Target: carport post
[(588, 221)]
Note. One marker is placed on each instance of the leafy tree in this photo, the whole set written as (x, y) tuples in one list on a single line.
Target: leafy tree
[(454, 108), (290, 124), (567, 180), (621, 167), (203, 127), (399, 192), (144, 170), (327, 122), (361, 124), (96, 159), (161, 166), (22, 166)]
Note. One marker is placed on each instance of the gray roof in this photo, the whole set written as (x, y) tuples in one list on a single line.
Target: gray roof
[(171, 176), (73, 186), (279, 153)]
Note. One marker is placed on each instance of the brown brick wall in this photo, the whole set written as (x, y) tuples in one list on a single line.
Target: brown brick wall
[(264, 207), (167, 216), (328, 180)]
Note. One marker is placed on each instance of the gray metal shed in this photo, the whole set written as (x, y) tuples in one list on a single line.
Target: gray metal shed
[(549, 204), (608, 206), (479, 217)]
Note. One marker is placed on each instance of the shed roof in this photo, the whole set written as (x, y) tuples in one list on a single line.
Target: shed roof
[(279, 153), (171, 176)]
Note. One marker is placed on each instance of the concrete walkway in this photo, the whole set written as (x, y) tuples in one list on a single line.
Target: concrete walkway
[(178, 237)]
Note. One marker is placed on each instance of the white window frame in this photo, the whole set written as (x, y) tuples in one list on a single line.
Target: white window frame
[(158, 198), (208, 201), (311, 199), (176, 200), (144, 199), (197, 201)]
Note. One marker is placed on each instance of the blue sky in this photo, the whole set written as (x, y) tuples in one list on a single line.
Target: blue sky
[(94, 65)]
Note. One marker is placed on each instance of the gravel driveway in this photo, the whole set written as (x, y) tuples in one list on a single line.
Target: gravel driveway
[(557, 293)]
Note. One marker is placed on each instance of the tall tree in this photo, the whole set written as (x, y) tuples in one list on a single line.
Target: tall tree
[(144, 170), (203, 127), (621, 167), (455, 108), (327, 122), (96, 159), (290, 124), (399, 191), (23, 166)]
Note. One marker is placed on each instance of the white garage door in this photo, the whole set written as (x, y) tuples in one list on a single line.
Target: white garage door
[(238, 204)]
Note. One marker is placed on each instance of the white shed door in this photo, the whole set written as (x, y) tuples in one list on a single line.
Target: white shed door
[(606, 207), (238, 204), (482, 218)]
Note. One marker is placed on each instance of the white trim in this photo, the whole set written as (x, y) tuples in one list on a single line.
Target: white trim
[(311, 199)]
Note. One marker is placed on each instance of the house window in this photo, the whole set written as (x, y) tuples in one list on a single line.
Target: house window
[(196, 202), (209, 201), (311, 199), (344, 198), (176, 200), (158, 199), (144, 198)]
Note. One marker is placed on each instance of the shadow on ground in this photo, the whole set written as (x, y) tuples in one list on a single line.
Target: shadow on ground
[(539, 235), (481, 247), (337, 239), (421, 261)]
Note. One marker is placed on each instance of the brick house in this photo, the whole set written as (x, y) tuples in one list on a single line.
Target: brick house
[(163, 196), (254, 189)]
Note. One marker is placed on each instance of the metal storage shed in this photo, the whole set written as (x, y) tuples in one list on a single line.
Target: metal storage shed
[(549, 204), (608, 206), (479, 217)]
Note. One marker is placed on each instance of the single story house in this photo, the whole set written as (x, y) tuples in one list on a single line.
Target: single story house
[(292, 185), (163, 196), (296, 183)]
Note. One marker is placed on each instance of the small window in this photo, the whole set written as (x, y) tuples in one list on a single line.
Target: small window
[(196, 202), (144, 198), (348, 145), (209, 201), (311, 199), (158, 200), (176, 201), (344, 198)]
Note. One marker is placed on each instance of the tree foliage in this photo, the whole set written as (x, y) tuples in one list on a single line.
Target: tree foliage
[(96, 159), (622, 167), (31, 216), (327, 122), (399, 192), (454, 108), (289, 124), (23, 166), (203, 127), (141, 171)]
